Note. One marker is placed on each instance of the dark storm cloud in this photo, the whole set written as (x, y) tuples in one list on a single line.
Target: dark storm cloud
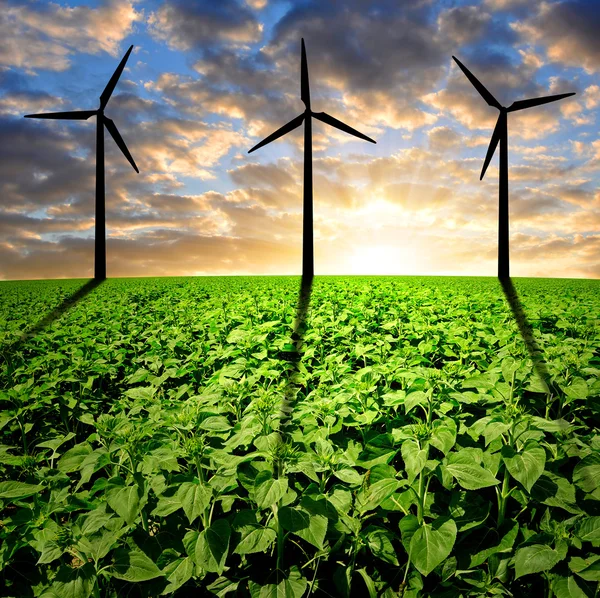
[(567, 30), (192, 25)]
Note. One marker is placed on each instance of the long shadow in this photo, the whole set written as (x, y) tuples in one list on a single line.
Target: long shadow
[(293, 357), (56, 313), (525, 329)]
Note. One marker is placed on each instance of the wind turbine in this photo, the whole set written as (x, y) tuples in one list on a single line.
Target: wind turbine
[(500, 135), (308, 267), (101, 122)]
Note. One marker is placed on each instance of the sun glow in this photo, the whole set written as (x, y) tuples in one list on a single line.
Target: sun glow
[(383, 259)]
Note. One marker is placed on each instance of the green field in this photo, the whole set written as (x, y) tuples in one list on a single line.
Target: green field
[(175, 436)]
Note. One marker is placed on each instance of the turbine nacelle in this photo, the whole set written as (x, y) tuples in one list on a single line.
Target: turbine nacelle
[(308, 113), (99, 113), (501, 124)]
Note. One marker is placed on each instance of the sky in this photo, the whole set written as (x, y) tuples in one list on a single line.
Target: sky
[(208, 80)]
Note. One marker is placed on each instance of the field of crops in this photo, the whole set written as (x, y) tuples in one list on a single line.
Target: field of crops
[(175, 436)]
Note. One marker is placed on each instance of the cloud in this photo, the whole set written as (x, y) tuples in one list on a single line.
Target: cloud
[(463, 24), (567, 30), (44, 35), (191, 25)]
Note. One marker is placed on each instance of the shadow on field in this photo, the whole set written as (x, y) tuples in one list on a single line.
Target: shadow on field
[(525, 329), (290, 390), (54, 315)]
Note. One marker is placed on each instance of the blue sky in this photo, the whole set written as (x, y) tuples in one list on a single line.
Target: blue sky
[(208, 80)]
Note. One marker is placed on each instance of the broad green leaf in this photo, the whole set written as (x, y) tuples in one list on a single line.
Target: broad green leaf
[(125, 502), (98, 545), (534, 559), (194, 498), (215, 423), (566, 587), (258, 539), (268, 490), (131, 564), (293, 519), (315, 532), (76, 582), (443, 435), (471, 477), (414, 459), (586, 474), (13, 490), (408, 526), (371, 497), (212, 546), (74, 457), (50, 552), (413, 399), (349, 475), (505, 544), (588, 568), (177, 573), (431, 544), (379, 540), (526, 466), (588, 529)]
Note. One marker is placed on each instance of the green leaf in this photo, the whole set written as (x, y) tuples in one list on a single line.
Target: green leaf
[(13, 490), (215, 423), (471, 477), (505, 544), (131, 564), (527, 466), (194, 498), (98, 545), (443, 435), (371, 497), (586, 474), (431, 544), (379, 540), (77, 582), (368, 582), (534, 559), (588, 529), (125, 502), (268, 490), (74, 457), (293, 519), (315, 532), (588, 568), (408, 526), (566, 587), (212, 546), (50, 552), (349, 476), (413, 399), (414, 459), (258, 539), (177, 573)]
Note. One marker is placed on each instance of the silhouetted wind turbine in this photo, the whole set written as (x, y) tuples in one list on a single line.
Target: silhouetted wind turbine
[(308, 266), (500, 135), (101, 122)]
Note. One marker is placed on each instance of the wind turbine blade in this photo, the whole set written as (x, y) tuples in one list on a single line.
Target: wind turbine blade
[(77, 115), (110, 86), (114, 133), (338, 124), (522, 104), (293, 124), (304, 87), (483, 92), (493, 144)]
